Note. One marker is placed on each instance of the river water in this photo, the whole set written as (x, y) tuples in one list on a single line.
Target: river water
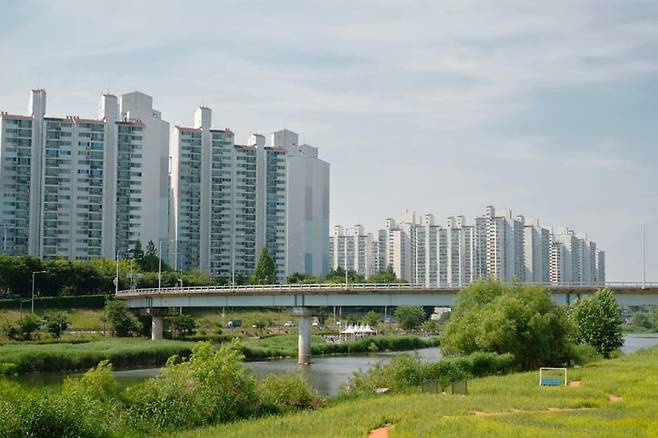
[(327, 373)]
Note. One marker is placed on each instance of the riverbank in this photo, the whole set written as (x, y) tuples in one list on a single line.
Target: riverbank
[(121, 352), (21, 358), (614, 398)]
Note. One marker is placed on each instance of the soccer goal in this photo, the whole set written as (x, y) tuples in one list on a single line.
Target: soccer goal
[(552, 376)]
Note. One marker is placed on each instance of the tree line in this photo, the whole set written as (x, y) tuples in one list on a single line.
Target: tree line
[(62, 277)]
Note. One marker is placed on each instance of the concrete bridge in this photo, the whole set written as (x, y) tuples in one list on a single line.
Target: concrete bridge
[(303, 298)]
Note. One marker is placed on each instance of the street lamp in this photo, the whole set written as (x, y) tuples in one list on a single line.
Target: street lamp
[(34, 273)]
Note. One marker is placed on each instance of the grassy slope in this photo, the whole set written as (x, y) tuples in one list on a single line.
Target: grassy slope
[(635, 378)]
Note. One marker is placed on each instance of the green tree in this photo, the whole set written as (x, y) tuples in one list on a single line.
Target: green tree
[(338, 276), (265, 272), (56, 323), (372, 318), (27, 326), (137, 253), (509, 318), (599, 322), (410, 317), (302, 278), (184, 324), (386, 276), (122, 321)]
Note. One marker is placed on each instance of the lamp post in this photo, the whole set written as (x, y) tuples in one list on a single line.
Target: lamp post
[(34, 273)]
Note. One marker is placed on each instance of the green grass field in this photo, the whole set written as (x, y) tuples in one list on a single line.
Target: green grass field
[(500, 406)]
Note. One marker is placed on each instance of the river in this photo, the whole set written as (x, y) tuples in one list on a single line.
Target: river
[(327, 373)]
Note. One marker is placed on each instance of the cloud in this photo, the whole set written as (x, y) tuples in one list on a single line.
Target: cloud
[(435, 106)]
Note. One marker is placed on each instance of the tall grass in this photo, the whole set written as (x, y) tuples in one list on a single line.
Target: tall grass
[(121, 352)]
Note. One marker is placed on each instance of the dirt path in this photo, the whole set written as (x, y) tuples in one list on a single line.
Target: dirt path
[(380, 432)]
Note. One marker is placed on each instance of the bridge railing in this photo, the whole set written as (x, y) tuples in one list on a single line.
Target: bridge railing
[(353, 286)]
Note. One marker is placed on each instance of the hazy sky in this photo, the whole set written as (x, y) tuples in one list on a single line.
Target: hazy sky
[(548, 108)]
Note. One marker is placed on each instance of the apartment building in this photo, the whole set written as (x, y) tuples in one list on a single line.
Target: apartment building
[(497, 245), (66, 182)]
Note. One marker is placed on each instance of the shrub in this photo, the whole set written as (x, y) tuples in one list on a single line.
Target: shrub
[(7, 368), (96, 384), (26, 413), (406, 371), (584, 353), (286, 392), (214, 386), (56, 323)]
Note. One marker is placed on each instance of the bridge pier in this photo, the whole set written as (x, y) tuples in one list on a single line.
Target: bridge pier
[(157, 322), (304, 341)]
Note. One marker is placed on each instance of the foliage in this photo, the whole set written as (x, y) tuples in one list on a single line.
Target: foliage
[(265, 272), (372, 318), (182, 325), (122, 321), (405, 371), (213, 386), (385, 276), (431, 326), (62, 302), (56, 323), (97, 383), (43, 413), (337, 276), (598, 322), (27, 326), (410, 317), (286, 392), (518, 319), (86, 277), (302, 278)]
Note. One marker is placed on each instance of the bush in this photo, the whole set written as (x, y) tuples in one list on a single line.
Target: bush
[(584, 353), (7, 369), (214, 386), (286, 392), (56, 323), (406, 371), (46, 414), (96, 384)]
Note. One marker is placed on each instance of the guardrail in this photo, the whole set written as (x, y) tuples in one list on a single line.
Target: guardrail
[(352, 286)]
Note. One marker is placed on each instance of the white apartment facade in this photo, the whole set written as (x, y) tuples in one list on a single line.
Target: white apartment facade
[(307, 221), (66, 181), (229, 200), (497, 245)]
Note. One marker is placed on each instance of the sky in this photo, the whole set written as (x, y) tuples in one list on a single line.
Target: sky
[(546, 108)]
